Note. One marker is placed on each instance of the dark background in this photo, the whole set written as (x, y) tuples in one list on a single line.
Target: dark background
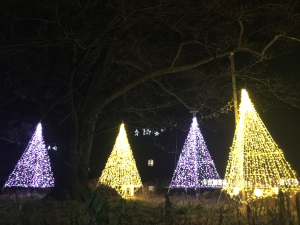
[(283, 124)]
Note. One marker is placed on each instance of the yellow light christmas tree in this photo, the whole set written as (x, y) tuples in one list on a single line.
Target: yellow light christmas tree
[(256, 167), (120, 171)]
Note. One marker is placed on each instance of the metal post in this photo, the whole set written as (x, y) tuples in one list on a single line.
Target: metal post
[(194, 112)]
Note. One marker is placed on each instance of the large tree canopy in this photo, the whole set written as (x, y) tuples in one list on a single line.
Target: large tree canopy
[(75, 64)]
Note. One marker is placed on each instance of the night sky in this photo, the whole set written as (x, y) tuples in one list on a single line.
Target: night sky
[(283, 124)]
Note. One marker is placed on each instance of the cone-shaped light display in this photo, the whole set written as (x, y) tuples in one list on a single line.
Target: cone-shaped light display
[(33, 169), (195, 165), (120, 171), (256, 167)]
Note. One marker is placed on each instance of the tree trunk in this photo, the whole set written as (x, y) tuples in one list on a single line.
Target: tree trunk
[(67, 182), (234, 86), (298, 207), (86, 144)]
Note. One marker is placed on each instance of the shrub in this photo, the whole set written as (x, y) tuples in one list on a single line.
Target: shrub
[(207, 194), (181, 210), (97, 206)]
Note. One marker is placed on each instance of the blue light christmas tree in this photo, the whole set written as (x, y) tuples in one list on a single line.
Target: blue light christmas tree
[(195, 167), (33, 169)]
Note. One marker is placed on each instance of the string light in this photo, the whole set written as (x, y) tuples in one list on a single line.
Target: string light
[(195, 165), (33, 169), (258, 192), (256, 167), (120, 171)]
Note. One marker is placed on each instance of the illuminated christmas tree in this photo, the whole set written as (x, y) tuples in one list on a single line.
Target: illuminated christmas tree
[(120, 171), (256, 166), (195, 168), (33, 169)]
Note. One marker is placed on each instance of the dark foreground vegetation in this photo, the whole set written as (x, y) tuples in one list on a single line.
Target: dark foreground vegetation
[(102, 207)]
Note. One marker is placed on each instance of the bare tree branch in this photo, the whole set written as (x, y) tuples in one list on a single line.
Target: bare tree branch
[(159, 72), (172, 93), (269, 45), (241, 32)]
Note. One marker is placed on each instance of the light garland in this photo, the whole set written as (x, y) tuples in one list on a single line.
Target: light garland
[(195, 166), (256, 167), (33, 169), (120, 171)]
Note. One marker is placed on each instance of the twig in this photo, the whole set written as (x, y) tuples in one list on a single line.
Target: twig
[(171, 93)]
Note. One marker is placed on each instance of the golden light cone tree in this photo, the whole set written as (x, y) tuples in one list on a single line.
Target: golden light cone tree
[(120, 171), (256, 167)]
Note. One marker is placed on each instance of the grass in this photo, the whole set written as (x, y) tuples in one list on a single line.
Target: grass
[(183, 210), (46, 211)]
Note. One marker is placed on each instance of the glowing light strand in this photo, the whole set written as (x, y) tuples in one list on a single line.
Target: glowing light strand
[(256, 165), (195, 166), (120, 171), (33, 169)]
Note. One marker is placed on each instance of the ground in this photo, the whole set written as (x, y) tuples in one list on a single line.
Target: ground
[(149, 209)]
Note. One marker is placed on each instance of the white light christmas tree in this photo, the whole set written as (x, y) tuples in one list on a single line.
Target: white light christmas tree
[(120, 171), (256, 167), (195, 167), (33, 169)]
